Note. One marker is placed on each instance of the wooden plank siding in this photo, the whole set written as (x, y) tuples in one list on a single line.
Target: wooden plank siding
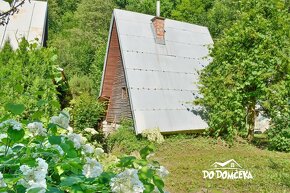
[(114, 85), (113, 57), (119, 106)]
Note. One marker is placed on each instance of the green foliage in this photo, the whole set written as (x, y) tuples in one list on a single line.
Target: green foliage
[(279, 135), (80, 85), (26, 78), (221, 16), (125, 139), (36, 159), (87, 112), (192, 11), (83, 56), (58, 10), (250, 67), (39, 157)]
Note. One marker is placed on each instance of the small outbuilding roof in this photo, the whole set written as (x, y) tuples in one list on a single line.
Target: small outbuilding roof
[(28, 22), (162, 78)]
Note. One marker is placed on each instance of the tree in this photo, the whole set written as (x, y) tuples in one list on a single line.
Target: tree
[(192, 11), (250, 71), (26, 76)]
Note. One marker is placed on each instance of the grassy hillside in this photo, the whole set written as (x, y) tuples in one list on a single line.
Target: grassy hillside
[(185, 157)]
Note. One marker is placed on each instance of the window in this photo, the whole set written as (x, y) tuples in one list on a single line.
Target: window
[(232, 165), (124, 93)]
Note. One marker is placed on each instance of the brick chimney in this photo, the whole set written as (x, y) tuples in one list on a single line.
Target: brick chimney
[(158, 26)]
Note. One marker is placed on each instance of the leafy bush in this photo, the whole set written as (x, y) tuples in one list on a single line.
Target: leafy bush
[(86, 112), (46, 157), (279, 136), (80, 84), (26, 76), (125, 139)]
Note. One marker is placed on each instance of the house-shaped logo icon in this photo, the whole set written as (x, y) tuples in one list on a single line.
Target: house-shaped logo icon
[(230, 164)]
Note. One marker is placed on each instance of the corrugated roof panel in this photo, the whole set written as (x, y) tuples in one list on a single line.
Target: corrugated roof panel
[(186, 50), (29, 22), (133, 28), (132, 16), (145, 99), (185, 26), (140, 44), (172, 120), (20, 21), (161, 79), (149, 61), (38, 22), (187, 37), (2, 33), (147, 45)]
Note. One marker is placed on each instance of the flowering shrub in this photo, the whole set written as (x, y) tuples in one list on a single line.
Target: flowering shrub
[(153, 135), (49, 157)]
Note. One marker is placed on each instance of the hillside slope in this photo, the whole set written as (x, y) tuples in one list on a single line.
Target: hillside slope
[(186, 158)]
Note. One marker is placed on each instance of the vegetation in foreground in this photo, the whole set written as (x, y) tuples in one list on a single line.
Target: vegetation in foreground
[(37, 157), (186, 156)]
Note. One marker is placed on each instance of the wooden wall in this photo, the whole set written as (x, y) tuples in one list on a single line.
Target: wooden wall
[(112, 59), (119, 104), (114, 82)]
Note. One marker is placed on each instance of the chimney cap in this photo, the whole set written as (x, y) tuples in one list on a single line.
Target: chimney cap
[(157, 17)]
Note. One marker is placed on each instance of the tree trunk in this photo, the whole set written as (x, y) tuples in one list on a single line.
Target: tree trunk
[(251, 120)]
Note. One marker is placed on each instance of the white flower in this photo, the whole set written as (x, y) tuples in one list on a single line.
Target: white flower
[(70, 129), (87, 148), (2, 182), (11, 123), (153, 135), (77, 139), (26, 170), (3, 149), (92, 168), (61, 120), (99, 151), (91, 131), (57, 147), (36, 128), (34, 177), (3, 136), (162, 172), (127, 181)]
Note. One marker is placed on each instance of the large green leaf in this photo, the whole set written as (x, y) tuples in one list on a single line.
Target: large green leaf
[(15, 109), (158, 183), (54, 140), (70, 180), (35, 190), (53, 190), (146, 151), (15, 135)]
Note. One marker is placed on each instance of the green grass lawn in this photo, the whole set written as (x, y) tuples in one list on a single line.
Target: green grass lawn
[(185, 158)]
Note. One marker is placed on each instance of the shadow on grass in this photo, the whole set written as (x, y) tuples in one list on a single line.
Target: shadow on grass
[(261, 141)]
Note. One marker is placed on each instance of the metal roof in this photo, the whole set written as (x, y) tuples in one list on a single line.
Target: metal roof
[(29, 22), (161, 79)]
